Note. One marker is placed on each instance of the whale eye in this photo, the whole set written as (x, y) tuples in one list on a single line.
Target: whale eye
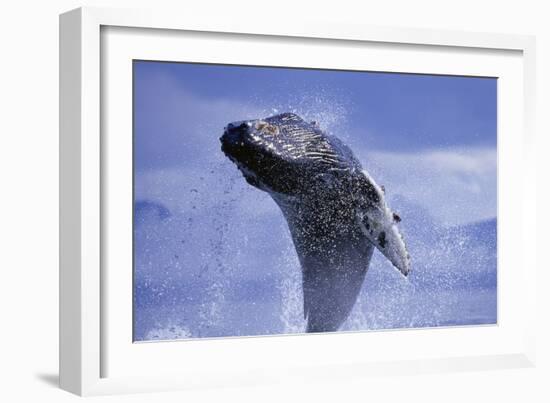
[(272, 129), (265, 127), (260, 125)]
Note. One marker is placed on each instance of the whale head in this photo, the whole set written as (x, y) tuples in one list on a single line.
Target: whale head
[(284, 154)]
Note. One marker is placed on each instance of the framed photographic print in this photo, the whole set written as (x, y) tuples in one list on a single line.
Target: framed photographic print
[(236, 200)]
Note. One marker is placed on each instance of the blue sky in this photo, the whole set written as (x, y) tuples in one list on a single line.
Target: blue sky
[(387, 111), (430, 138)]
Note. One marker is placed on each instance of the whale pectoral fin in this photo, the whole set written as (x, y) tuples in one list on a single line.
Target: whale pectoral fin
[(331, 288), (379, 224), (386, 237)]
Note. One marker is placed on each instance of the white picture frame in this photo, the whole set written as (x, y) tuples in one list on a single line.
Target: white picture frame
[(93, 349)]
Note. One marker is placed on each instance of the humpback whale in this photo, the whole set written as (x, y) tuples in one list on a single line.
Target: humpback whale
[(336, 213)]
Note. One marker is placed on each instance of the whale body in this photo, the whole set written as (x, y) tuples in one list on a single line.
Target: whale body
[(336, 213)]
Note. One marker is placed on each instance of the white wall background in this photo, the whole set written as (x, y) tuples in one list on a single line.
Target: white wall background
[(29, 209)]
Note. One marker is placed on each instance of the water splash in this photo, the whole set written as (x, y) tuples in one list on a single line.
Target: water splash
[(217, 271), (290, 287), (168, 332), (324, 106)]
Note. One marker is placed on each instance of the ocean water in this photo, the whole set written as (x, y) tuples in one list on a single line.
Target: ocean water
[(217, 260)]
